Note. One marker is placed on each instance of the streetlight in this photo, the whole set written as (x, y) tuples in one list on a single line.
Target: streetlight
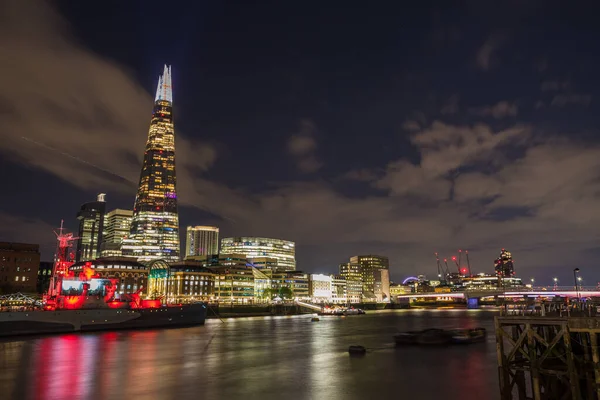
[(555, 283), (575, 272)]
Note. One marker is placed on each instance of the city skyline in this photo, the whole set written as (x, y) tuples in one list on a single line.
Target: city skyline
[(350, 140)]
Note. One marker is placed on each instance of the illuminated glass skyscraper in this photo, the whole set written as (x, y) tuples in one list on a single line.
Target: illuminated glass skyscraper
[(154, 230)]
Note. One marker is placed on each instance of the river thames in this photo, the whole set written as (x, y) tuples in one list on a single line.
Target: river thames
[(257, 358)]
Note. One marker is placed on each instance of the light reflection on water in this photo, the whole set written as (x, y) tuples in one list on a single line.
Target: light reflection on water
[(263, 357)]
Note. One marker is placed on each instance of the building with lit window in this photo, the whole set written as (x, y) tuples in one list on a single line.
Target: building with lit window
[(154, 232), (352, 273), (320, 288), (234, 284), (91, 226), (338, 289), (283, 251), (44, 275), (369, 264), (131, 275), (19, 264), (117, 224), (201, 241), (184, 281)]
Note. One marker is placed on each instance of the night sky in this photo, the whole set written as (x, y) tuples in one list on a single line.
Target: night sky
[(347, 127)]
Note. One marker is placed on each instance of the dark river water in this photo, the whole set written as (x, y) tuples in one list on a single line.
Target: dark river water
[(257, 358)]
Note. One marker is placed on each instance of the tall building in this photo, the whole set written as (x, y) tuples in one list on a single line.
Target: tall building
[(352, 273), (117, 224), (19, 264), (154, 232), (201, 241), (369, 264), (503, 265), (91, 225), (283, 251)]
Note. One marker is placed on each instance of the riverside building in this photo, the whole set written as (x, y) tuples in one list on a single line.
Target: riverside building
[(253, 248), (117, 224), (19, 264)]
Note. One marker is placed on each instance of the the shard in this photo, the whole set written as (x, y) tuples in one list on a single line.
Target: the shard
[(154, 230)]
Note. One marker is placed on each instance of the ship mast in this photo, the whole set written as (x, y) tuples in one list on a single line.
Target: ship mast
[(63, 259)]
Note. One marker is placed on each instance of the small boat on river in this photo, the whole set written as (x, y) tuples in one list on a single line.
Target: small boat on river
[(436, 336)]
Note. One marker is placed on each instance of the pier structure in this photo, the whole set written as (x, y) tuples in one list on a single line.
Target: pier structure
[(549, 354)]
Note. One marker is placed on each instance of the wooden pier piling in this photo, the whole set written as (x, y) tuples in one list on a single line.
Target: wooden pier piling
[(548, 357)]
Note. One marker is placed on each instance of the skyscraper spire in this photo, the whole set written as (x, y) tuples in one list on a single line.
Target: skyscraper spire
[(154, 230), (164, 90)]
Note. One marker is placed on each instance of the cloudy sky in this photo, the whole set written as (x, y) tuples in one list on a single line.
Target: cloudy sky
[(399, 131)]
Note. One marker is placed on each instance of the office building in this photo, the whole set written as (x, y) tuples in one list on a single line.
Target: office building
[(154, 232), (352, 273), (338, 289), (283, 251), (369, 264), (91, 226), (117, 224), (320, 288), (19, 264), (201, 241)]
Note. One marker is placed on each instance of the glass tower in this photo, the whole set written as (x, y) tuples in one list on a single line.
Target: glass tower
[(91, 221), (154, 232)]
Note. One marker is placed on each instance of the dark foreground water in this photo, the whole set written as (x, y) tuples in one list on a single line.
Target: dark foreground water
[(257, 358)]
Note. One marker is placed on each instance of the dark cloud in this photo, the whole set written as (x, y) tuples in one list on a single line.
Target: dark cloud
[(486, 54), (561, 100), (499, 110), (303, 145), (451, 105)]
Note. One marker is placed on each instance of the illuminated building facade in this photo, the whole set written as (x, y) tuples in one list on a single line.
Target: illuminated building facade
[(234, 284), (201, 241), (369, 265), (320, 288), (283, 251), (117, 224), (338, 289), (132, 275), (91, 226), (503, 265), (154, 232), (184, 281), (352, 273), (19, 264)]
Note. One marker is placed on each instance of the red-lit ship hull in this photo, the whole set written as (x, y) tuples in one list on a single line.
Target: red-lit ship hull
[(84, 301), (86, 320)]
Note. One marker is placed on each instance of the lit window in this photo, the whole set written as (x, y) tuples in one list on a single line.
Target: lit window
[(16, 279)]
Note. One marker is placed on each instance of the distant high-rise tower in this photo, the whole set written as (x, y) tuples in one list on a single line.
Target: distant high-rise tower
[(91, 223), (201, 241), (154, 232), (503, 265)]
